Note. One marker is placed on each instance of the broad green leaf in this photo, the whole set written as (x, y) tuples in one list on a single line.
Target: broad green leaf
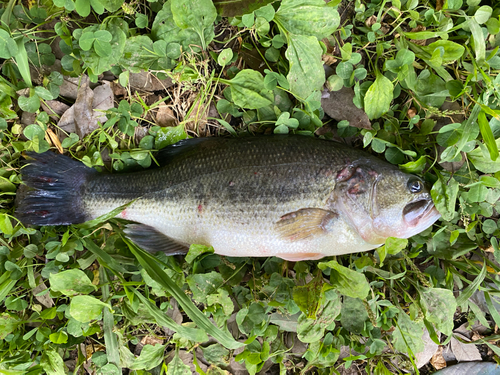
[(237, 8), (5, 224), (150, 357), (307, 297), (111, 5), (169, 135), (165, 28), (306, 73), (307, 17), (353, 315), (86, 40), (414, 166), (346, 281), (482, 160), (86, 308), (71, 282), (60, 337), (310, 330), (439, 306), (43, 93), (197, 15), (82, 7), (138, 54), (378, 97), (8, 46), (451, 51), (424, 35), (52, 363), (483, 14), (408, 334), (489, 139), (225, 57), (8, 324), (177, 367), (248, 91), (479, 43), (204, 284), (444, 194)]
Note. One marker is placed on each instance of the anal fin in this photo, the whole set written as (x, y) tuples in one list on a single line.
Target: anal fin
[(305, 223), (150, 239)]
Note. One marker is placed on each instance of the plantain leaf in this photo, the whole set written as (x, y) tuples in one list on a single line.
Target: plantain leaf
[(378, 97), (248, 91), (307, 17), (306, 73)]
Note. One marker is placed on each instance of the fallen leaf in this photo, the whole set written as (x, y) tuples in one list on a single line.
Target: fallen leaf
[(165, 116), (430, 348), (146, 81), (151, 340), (70, 85), (54, 108), (339, 106), (54, 140), (437, 360), (81, 118), (464, 352)]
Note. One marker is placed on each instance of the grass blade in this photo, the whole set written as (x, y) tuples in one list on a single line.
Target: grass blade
[(164, 320), (21, 59), (110, 338), (489, 139), (151, 266)]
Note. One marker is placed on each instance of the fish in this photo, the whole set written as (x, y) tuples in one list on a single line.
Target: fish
[(294, 197)]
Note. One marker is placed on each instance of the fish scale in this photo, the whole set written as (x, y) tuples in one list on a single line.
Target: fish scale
[(290, 196)]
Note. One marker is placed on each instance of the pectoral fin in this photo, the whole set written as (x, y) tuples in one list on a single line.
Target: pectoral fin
[(305, 223), (150, 239)]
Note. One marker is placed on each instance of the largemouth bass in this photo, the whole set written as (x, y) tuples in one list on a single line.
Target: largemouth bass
[(293, 197)]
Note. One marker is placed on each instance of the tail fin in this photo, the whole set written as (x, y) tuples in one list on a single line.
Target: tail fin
[(56, 185)]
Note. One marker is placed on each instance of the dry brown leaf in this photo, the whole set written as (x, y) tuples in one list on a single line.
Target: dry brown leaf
[(329, 59), (151, 340), (437, 360), (55, 140), (339, 105), (430, 348), (54, 108), (165, 116), (464, 352), (412, 112)]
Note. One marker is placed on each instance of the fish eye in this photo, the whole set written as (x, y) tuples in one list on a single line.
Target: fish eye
[(415, 186)]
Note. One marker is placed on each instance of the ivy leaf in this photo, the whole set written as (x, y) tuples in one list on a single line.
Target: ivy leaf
[(378, 97)]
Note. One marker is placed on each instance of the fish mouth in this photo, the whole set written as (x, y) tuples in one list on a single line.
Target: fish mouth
[(414, 212)]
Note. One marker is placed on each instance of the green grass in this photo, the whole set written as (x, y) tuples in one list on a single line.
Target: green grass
[(239, 68)]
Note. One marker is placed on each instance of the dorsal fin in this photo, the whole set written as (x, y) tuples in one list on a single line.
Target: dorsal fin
[(187, 146)]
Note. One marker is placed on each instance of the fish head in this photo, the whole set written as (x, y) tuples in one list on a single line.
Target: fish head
[(383, 202)]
